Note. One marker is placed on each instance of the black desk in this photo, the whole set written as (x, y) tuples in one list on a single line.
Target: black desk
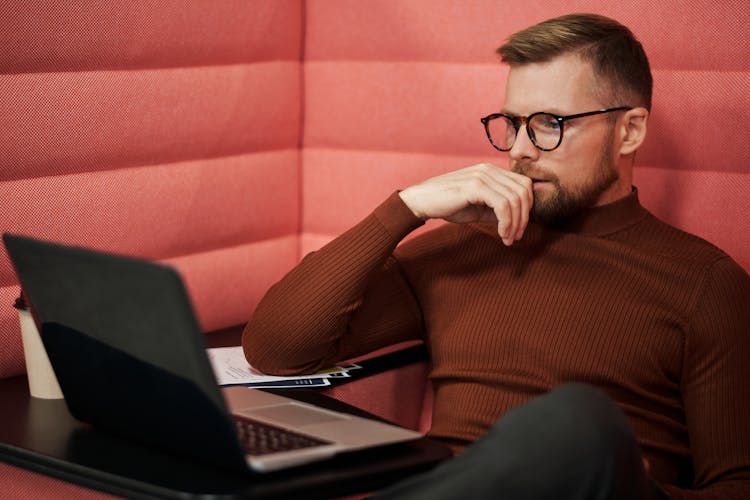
[(41, 435)]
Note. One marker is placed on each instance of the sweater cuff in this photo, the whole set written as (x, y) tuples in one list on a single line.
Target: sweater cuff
[(396, 217)]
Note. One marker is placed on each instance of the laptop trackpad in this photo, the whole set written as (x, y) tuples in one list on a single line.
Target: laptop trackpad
[(293, 414)]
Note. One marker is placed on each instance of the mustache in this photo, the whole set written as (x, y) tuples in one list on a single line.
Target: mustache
[(531, 171)]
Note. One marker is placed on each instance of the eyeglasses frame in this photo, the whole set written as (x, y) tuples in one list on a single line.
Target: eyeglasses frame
[(517, 121)]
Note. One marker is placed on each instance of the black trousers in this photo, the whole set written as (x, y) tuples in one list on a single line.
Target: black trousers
[(573, 443)]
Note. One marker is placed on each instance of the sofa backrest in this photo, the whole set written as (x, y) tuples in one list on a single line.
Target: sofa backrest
[(166, 130)]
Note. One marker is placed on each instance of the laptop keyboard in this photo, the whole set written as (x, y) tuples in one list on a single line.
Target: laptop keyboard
[(259, 438)]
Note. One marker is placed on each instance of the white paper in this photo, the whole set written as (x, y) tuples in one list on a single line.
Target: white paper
[(231, 368)]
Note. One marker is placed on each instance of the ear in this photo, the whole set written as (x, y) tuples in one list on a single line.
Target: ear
[(632, 128)]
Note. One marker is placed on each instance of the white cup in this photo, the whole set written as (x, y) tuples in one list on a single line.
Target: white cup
[(42, 380)]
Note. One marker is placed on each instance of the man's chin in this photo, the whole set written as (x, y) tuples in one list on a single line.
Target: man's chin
[(550, 210)]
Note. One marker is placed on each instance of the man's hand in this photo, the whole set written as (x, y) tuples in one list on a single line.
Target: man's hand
[(482, 192)]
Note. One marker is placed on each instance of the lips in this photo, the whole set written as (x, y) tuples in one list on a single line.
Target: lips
[(536, 180), (541, 183), (537, 176)]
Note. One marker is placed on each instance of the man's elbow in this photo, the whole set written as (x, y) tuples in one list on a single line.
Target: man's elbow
[(271, 357)]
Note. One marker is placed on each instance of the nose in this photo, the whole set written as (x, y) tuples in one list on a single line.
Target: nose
[(523, 148)]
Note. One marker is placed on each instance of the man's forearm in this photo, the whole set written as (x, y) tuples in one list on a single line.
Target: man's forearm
[(298, 325)]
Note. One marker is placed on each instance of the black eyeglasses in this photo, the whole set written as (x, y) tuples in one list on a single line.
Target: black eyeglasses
[(544, 129)]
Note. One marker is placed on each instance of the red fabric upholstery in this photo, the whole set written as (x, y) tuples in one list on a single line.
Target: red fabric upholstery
[(229, 139), (21, 484)]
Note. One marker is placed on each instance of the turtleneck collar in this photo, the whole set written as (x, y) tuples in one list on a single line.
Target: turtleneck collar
[(606, 219)]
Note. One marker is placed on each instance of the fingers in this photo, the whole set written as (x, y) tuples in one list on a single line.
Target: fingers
[(480, 192), (509, 195), (512, 205)]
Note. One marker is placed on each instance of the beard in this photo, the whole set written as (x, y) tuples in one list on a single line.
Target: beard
[(566, 202)]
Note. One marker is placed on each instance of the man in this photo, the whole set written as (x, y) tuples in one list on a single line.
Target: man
[(564, 322)]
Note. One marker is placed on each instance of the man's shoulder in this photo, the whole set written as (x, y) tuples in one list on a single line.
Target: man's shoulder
[(679, 244)]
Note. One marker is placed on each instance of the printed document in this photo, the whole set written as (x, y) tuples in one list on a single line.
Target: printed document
[(231, 368)]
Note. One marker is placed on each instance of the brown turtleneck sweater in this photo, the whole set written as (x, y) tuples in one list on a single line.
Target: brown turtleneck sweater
[(657, 318)]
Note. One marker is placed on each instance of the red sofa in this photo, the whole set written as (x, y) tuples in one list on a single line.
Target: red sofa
[(231, 138)]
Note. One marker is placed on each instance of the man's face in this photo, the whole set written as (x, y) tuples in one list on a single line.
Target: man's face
[(582, 172)]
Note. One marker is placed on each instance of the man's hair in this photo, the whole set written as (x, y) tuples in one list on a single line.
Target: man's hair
[(617, 57)]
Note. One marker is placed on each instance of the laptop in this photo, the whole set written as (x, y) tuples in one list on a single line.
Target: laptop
[(130, 358)]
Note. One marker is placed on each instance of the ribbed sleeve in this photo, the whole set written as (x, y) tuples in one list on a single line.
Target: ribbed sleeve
[(299, 324), (716, 392)]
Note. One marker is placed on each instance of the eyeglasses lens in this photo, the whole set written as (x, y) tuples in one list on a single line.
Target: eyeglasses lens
[(503, 132), (543, 129), (546, 130)]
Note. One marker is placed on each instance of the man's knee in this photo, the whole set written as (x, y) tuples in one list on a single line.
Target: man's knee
[(590, 417), (575, 438), (574, 419)]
